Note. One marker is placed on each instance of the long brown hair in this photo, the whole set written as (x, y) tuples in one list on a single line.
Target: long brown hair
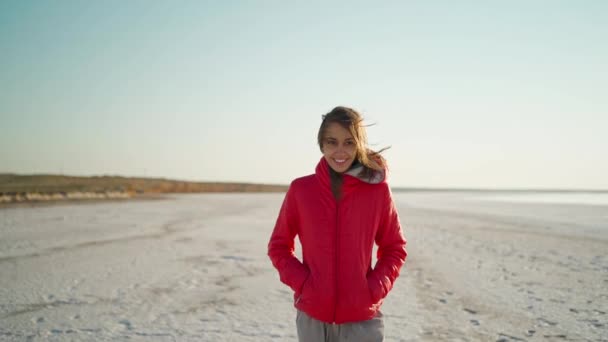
[(352, 121)]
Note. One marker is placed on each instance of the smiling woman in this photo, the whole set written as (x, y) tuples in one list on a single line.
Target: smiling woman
[(338, 213), (339, 148), (343, 142)]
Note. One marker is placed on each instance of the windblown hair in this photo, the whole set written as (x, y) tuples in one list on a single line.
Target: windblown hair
[(352, 121)]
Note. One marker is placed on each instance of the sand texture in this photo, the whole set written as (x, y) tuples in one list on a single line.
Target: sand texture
[(194, 268)]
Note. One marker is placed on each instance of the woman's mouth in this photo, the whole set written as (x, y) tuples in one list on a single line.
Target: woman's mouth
[(340, 162)]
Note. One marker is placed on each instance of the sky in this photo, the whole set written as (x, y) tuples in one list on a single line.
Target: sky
[(467, 94)]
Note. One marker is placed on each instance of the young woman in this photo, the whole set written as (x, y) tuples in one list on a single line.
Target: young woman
[(338, 213)]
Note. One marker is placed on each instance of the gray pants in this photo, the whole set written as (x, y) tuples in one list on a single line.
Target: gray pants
[(311, 330)]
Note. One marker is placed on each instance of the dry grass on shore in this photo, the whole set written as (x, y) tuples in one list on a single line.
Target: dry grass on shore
[(25, 188)]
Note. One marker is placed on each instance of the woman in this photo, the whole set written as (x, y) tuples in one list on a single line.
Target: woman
[(338, 213)]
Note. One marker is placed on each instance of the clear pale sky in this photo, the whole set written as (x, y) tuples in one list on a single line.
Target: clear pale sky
[(484, 94)]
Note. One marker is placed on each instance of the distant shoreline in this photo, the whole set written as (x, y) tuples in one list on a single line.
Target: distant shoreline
[(56, 188), (75, 201), (20, 197), (531, 190)]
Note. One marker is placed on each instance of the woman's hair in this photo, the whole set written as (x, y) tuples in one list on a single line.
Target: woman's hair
[(351, 120)]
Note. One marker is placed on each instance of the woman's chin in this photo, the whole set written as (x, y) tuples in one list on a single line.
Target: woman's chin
[(340, 168)]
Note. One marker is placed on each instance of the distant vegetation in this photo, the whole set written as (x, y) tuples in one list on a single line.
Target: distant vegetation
[(19, 188)]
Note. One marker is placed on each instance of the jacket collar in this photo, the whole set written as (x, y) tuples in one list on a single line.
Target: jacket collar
[(351, 177)]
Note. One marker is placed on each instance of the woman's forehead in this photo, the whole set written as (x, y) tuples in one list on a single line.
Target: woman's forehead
[(336, 131)]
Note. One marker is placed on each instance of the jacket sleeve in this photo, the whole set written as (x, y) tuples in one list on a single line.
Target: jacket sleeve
[(391, 250), (281, 245)]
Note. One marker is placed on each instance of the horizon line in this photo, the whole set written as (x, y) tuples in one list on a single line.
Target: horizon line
[(393, 188)]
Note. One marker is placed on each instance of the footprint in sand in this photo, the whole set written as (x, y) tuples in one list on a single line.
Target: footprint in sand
[(471, 311), (506, 337), (546, 322), (594, 322), (562, 336), (126, 324)]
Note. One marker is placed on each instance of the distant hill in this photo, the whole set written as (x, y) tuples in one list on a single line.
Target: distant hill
[(20, 188)]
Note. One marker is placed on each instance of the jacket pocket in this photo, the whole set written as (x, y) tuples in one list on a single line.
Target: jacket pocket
[(375, 289), (298, 296)]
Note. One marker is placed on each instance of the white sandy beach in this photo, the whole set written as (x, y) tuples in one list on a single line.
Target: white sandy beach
[(194, 268)]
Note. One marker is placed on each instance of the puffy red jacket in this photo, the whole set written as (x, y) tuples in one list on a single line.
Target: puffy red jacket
[(335, 282)]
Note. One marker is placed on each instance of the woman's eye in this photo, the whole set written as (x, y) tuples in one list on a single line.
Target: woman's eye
[(331, 142)]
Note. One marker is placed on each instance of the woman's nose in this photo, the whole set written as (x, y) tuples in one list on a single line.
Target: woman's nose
[(342, 148)]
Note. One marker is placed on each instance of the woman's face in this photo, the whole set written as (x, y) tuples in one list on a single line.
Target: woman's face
[(339, 147)]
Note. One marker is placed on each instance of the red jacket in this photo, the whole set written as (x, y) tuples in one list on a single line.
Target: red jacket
[(335, 282)]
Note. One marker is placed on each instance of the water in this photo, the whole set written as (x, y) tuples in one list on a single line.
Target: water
[(571, 213), (583, 198)]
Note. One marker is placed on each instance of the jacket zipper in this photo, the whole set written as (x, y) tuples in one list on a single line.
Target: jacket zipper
[(336, 260)]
